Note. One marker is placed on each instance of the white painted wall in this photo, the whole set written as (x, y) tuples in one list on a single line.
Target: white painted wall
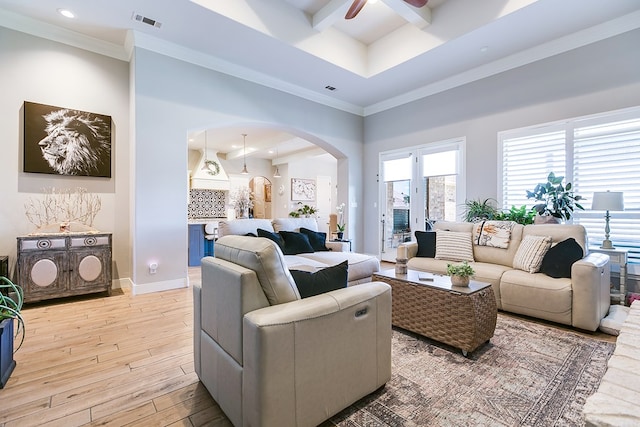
[(595, 78), (36, 70)]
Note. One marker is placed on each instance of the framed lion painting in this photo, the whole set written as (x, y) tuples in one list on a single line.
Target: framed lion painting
[(63, 141)]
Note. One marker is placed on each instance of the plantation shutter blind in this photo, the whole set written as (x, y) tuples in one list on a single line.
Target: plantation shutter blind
[(527, 160), (606, 156)]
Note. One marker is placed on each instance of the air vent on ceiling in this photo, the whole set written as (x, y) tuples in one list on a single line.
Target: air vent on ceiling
[(145, 20)]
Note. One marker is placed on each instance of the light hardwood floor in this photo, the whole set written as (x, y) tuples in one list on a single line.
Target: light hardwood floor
[(119, 360)]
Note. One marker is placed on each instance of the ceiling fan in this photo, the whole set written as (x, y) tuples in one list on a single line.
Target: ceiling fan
[(357, 6)]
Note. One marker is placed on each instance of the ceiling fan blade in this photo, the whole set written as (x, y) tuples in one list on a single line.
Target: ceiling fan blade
[(355, 8), (416, 3)]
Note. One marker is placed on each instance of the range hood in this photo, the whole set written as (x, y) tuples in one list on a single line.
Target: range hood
[(211, 177)]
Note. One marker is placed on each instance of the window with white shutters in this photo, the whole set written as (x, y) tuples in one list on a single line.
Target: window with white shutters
[(594, 153)]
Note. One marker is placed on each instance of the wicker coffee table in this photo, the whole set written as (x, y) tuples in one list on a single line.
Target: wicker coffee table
[(463, 317)]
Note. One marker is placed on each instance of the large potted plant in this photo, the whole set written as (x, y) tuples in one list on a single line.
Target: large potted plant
[(11, 298), (478, 210), (557, 201)]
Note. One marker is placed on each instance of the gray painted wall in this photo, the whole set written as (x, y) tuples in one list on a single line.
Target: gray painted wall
[(174, 97), (163, 99), (38, 70), (600, 77)]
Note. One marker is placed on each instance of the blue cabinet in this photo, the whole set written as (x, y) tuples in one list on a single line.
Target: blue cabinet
[(196, 244)]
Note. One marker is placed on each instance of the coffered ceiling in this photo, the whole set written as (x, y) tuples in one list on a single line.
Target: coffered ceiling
[(390, 54)]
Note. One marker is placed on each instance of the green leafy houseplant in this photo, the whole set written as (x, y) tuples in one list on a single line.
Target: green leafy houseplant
[(460, 273), (520, 215), (11, 299), (303, 211), (558, 200), (464, 269), (476, 210)]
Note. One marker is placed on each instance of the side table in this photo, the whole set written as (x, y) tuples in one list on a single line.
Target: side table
[(343, 241), (619, 257)]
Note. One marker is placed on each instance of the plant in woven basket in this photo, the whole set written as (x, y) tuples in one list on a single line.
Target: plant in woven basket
[(460, 273)]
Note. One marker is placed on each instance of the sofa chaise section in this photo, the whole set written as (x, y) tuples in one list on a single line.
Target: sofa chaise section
[(361, 266)]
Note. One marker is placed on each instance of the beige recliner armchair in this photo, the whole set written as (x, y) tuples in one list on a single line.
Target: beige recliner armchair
[(270, 358)]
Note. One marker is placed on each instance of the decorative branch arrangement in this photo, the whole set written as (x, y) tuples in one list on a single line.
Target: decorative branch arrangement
[(63, 206), (242, 200)]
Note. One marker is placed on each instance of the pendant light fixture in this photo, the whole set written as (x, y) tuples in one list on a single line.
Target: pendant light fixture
[(276, 174), (244, 152)]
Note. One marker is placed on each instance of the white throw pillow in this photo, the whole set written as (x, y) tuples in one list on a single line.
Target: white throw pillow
[(454, 245), (530, 253)]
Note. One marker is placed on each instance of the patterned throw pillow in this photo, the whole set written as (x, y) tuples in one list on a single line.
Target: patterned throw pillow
[(454, 245), (531, 252), (495, 234)]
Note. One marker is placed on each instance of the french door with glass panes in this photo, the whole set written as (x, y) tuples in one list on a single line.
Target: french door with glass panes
[(418, 186)]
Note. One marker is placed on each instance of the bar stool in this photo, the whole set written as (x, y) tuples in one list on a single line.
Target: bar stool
[(210, 235)]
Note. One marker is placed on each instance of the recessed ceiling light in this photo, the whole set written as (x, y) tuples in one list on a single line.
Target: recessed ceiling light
[(483, 49), (66, 13)]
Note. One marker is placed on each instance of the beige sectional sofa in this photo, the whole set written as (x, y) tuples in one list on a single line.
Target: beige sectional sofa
[(361, 266), (580, 301)]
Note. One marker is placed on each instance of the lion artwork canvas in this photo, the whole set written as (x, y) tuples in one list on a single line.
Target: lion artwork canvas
[(63, 141)]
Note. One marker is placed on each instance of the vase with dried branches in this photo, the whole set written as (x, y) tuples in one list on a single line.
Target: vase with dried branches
[(242, 201)]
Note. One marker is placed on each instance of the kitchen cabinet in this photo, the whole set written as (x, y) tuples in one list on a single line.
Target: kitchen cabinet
[(196, 244), (62, 265)]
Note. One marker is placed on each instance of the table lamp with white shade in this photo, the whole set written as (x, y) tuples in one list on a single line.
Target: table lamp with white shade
[(607, 201)]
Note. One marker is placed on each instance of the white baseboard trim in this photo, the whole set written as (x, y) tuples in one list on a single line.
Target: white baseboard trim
[(125, 283), (158, 286)]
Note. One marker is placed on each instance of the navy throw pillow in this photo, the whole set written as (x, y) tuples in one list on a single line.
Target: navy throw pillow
[(558, 260), (316, 238), (321, 281), (426, 243), (295, 243), (272, 236)]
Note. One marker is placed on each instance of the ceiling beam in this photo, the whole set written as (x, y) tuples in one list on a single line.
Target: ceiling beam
[(418, 16), (330, 14)]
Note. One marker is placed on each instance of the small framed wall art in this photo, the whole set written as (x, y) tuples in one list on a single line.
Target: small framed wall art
[(63, 141), (303, 190)]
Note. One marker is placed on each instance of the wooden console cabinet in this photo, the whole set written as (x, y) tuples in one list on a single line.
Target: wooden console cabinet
[(62, 265)]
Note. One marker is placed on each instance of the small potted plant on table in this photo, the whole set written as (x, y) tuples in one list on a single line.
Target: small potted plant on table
[(460, 273), (11, 298)]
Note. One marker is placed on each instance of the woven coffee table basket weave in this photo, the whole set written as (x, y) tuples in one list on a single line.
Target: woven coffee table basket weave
[(465, 319)]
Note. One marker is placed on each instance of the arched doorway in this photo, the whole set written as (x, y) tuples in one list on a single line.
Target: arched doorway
[(260, 186)]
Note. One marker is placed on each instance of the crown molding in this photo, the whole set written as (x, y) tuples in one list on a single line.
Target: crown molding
[(134, 39), (182, 53), (47, 31), (582, 38)]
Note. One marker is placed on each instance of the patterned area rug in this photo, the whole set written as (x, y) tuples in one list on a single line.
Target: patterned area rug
[(528, 375)]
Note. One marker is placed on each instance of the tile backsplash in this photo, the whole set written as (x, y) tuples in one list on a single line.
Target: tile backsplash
[(207, 203)]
